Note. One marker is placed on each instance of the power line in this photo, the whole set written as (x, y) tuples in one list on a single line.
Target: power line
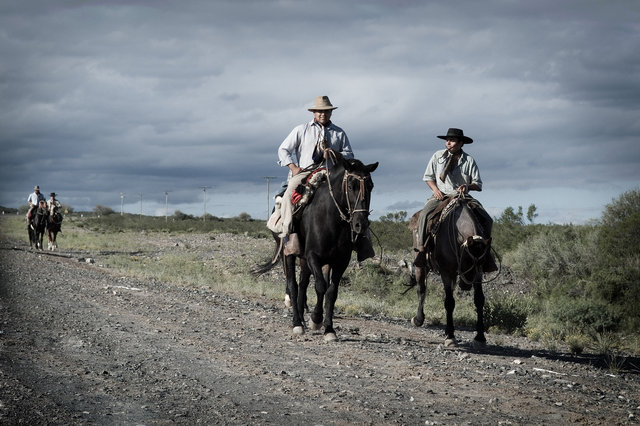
[(166, 205), (268, 178), (204, 214)]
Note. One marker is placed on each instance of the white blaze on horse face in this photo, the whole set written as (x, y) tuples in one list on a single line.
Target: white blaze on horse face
[(466, 226)]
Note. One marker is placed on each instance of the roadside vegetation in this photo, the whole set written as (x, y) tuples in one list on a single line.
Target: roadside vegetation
[(580, 283)]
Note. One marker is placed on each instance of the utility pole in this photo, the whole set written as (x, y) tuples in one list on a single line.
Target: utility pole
[(166, 205), (204, 214), (268, 178), (121, 203)]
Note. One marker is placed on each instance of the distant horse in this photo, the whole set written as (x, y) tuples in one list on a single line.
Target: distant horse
[(460, 248), (37, 225), (53, 227), (328, 230)]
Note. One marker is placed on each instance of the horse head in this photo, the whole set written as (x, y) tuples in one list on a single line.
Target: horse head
[(473, 245), (351, 179)]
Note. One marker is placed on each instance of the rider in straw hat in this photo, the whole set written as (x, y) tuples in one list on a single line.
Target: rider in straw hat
[(33, 200), (308, 143), (451, 171)]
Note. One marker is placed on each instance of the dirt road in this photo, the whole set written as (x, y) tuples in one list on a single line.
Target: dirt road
[(80, 345)]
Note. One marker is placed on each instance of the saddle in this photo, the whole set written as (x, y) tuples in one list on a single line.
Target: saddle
[(303, 194)]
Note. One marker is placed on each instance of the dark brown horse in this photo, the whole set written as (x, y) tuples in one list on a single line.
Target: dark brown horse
[(460, 248), (37, 225), (54, 225), (328, 229)]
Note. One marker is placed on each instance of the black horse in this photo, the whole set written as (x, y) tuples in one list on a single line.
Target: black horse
[(460, 247), (37, 224), (328, 230), (53, 227)]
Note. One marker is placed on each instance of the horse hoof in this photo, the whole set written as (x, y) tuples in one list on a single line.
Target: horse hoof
[(313, 326), (298, 330), (287, 301), (330, 337), (416, 323), (450, 343)]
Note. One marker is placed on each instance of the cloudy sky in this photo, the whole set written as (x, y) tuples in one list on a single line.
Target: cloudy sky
[(99, 98)]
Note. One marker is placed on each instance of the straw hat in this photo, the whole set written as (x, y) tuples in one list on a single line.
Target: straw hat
[(322, 103)]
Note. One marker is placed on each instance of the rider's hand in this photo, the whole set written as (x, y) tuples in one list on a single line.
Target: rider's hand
[(294, 169), (438, 194), (463, 189)]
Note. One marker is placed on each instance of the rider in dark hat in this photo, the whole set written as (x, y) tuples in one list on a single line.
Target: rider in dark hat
[(52, 203), (451, 171)]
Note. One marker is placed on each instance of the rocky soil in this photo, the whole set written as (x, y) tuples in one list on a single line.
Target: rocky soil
[(80, 344)]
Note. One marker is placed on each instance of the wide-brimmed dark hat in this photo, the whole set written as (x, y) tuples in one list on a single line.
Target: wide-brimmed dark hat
[(53, 194), (456, 134)]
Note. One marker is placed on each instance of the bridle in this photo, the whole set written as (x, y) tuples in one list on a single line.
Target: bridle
[(465, 247), (351, 210)]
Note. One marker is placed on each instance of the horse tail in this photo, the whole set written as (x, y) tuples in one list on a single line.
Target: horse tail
[(266, 267)]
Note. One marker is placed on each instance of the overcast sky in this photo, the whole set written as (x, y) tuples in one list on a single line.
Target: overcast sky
[(99, 98)]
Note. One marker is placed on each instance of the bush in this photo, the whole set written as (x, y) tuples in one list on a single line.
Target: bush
[(103, 210), (585, 315), (391, 236), (506, 314), (557, 252)]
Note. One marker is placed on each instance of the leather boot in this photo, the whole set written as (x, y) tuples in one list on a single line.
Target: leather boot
[(489, 264), (292, 245), (421, 258), (364, 248)]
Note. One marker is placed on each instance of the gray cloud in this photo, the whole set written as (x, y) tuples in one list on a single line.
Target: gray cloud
[(107, 97)]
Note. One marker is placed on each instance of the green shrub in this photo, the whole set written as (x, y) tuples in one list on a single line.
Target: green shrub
[(506, 313), (585, 315), (391, 235), (557, 252)]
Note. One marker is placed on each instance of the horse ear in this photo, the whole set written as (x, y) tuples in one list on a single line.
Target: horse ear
[(371, 167)]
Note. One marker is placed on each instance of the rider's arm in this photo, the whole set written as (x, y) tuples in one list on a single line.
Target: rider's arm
[(436, 191)]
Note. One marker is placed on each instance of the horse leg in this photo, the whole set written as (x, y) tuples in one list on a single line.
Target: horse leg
[(31, 238), (292, 288), (478, 300), (321, 279), (449, 306), (305, 276), (421, 279), (330, 302)]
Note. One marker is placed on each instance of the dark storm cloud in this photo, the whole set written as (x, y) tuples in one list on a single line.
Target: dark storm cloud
[(103, 97)]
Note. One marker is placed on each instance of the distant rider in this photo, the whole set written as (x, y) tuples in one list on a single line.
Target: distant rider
[(53, 205), (33, 200)]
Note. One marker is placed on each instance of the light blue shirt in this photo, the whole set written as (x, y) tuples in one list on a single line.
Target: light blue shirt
[(35, 198), (302, 142), (465, 173)]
